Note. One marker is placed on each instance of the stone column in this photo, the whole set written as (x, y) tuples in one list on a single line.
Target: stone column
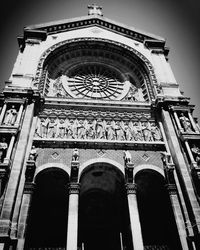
[(24, 213), (17, 122), (72, 229), (173, 194), (134, 217), (190, 153), (29, 188), (3, 112), (178, 215), (9, 151)]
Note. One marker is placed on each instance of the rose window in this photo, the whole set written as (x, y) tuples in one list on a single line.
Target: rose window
[(96, 82)]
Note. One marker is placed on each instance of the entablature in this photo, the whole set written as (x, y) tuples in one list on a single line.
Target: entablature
[(122, 106)]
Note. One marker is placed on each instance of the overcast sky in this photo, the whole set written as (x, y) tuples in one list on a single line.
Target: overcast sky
[(176, 20)]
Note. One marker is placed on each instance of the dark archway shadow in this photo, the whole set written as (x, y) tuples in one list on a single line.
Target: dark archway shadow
[(103, 211), (155, 210), (47, 223)]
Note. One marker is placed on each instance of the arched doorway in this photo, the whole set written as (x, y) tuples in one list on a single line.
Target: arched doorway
[(103, 211), (156, 216), (47, 224)]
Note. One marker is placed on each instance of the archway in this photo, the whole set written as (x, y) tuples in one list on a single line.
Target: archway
[(103, 211), (156, 215), (47, 224)]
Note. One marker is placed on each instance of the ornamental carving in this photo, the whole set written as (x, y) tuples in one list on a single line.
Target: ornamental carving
[(97, 83), (86, 127), (185, 123), (10, 116)]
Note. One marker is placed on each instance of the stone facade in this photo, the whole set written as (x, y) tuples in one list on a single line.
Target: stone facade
[(95, 131)]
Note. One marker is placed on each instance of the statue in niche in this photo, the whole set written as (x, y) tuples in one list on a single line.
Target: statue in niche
[(127, 157), (81, 129), (33, 154), (156, 132), (99, 129), (3, 149), (127, 131), (185, 123), (146, 129), (75, 154), (11, 115), (52, 128), (110, 131), (61, 131), (90, 130), (119, 135), (196, 152)]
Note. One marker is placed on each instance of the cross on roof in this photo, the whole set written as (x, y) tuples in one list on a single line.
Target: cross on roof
[(94, 9)]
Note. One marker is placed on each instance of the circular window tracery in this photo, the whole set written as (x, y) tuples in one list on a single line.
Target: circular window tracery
[(95, 71), (95, 81)]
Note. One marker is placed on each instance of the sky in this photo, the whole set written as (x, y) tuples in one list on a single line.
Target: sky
[(176, 21)]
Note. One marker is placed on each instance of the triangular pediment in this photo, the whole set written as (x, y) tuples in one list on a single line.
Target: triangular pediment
[(89, 21)]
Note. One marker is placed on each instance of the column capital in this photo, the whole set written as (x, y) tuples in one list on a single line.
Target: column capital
[(171, 189), (29, 187), (131, 188), (74, 188)]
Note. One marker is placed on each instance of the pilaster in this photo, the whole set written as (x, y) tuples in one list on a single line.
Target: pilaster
[(183, 174), (13, 183)]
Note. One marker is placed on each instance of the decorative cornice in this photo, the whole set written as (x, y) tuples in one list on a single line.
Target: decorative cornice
[(94, 20)]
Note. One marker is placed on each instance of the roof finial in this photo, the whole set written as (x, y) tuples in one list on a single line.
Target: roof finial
[(94, 9)]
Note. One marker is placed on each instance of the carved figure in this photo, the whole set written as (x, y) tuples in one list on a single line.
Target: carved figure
[(185, 122), (137, 131), (156, 132), (197, 124), (44, 124), (33, 154), (71, 129), (61, 128), (94, 10), (196, 152), (119, 135), (81, 130), (127, 131), (90, 130), (52, 128), (147, 131), (58, 88), (3, 149), (11, 115), (109, 131), (127, 157), (75, 154), (99, 129), (138, 95)]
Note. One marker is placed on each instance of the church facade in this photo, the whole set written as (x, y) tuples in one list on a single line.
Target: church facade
[(99, 148)]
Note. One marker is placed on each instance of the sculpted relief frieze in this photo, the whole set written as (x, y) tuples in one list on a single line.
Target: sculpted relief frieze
[(97, 125)]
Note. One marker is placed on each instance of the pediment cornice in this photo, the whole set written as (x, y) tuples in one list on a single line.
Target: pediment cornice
[(89, 21)]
